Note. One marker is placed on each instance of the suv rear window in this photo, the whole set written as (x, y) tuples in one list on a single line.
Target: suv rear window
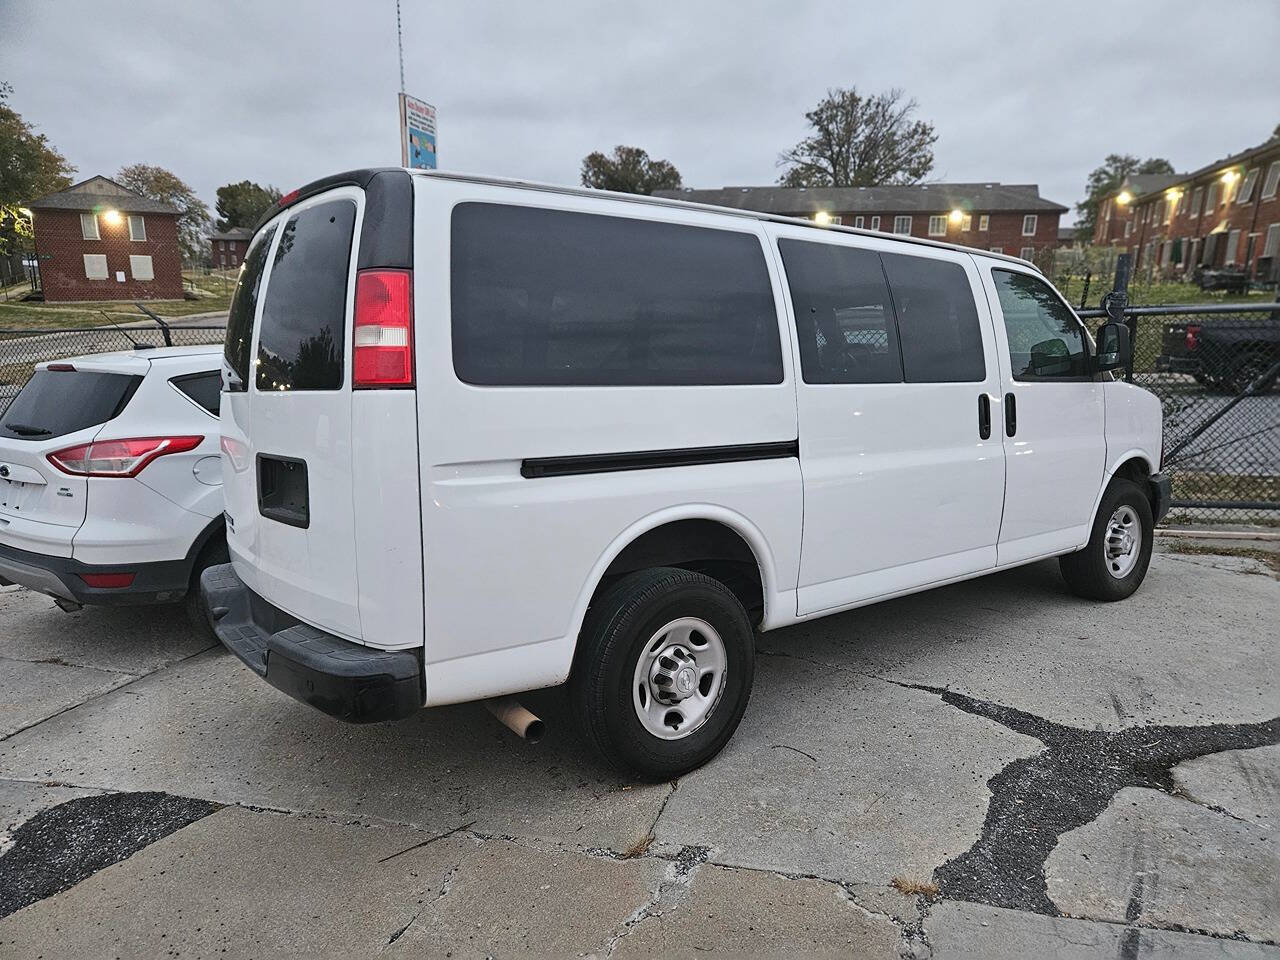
[(57, 402), (244, 304), (558, 298), (300, 345)]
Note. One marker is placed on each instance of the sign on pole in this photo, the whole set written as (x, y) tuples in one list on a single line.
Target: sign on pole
[(417, 133)]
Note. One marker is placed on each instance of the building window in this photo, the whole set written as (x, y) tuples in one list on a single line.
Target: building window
[(222, 244), (1128, 228), (1272, 245), (1246, 188), (837, 221), (233, 259), (857, 222), (1233, 243), (1106, 210), (1196, 195), (89, 228), (1029, 225), (1027, 253), (938, 226), (95, 266), (137, 228), (875, 223), (984, 223), (222, 261), (966, 224), (140, 268), (1273, 180), (997, 249), (902, 226), (1211, 198)]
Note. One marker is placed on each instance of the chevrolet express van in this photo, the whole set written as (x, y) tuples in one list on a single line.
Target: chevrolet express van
[(481, 437)]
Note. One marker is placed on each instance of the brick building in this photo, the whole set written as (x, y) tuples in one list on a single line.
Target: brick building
[(1007, 218), (227, 247), (97, 240), (1226, 214)]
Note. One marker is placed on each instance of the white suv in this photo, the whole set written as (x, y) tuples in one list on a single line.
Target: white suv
[(110, 479), (483, 437)]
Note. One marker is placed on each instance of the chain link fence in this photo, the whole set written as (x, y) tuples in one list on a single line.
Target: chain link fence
[(1215, 368), (20, 350)]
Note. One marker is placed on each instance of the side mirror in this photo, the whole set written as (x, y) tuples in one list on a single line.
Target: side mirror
[(1114, 349)]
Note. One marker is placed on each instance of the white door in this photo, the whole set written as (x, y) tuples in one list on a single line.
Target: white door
[(896, 352), (1052, 417)]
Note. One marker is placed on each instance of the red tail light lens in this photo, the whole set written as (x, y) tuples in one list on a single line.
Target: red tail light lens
[(115, 580), (382, 354), (1193, 336), (118, 458)]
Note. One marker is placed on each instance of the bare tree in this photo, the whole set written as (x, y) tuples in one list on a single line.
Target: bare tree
[(861, 141)]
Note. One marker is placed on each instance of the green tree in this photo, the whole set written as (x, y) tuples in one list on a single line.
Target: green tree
[(860, 141), (628, 170), (241, 204), (29, 168), (159, 184), (1105, 180)]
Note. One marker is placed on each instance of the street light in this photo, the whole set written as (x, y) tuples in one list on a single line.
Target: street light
[(957, 215), (1124, 197), (822, 218)]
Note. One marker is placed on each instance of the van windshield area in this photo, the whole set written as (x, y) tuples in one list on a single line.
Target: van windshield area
[(58, 402)]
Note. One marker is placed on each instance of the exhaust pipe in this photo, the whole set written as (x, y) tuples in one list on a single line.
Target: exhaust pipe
[(512, 714), (68, 606)]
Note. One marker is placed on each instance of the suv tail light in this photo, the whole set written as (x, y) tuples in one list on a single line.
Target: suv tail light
[(118, 458), (1193, 336), (382, 354)]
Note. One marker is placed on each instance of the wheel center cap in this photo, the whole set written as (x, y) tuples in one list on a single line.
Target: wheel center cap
[(686, 680)]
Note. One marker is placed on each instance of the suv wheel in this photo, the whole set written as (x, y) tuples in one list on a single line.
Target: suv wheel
[(663, 673), (1114, 563)]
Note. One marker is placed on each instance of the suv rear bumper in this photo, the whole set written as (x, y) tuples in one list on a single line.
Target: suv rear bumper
[(343, 679), (1161, 494), (156, 582)]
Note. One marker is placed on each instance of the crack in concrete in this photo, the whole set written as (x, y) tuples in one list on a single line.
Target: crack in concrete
[(675, 881), (1035, 800)]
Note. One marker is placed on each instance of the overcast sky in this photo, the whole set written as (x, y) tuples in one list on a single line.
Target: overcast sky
[(282, 93)]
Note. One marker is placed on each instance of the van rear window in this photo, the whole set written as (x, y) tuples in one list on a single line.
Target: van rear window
[(244, 304), (300, 345), (559, 298), (58, 402)]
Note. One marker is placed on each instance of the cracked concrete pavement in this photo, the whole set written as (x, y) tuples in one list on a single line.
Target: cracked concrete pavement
[(1044, 776)]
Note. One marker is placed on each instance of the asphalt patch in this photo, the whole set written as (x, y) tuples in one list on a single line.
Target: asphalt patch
[(60, 846), (1035, 800)]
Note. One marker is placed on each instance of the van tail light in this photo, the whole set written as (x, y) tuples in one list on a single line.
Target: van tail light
[(108, 580), (383, 329), (118, 458), (1193, 336)]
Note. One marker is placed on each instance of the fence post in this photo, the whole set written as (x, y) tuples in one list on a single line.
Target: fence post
[(1115, 303)]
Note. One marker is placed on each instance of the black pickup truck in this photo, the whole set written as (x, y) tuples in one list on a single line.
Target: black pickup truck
[(1224, 352)]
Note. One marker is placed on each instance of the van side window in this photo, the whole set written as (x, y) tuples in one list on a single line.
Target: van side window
[(1045, 339), (244, 304), (300, 345), (844, 317), (559, 298), (938, 324)]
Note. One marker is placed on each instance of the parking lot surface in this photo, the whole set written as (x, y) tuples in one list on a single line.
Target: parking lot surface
[(994, 769)]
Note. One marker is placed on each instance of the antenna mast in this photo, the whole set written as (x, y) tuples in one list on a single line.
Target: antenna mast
[(400, 45)]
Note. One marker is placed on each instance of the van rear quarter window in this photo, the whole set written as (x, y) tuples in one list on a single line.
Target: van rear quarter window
[(244, 304), (300, 345), (559, 298), (938, 323)]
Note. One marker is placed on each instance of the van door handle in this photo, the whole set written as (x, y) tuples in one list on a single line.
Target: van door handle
[(1010, 415), (984, 416)]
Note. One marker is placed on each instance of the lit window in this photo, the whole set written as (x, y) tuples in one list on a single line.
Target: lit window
[(140, 268), (967, 223), (984, 223), (89, 229), (137, 228), (902, 226), (1029, 225), (937, 226)]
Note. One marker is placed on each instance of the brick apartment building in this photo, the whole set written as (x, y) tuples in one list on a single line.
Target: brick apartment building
[(1007, 218), (228, 247), (1226, 214), (97, 240)]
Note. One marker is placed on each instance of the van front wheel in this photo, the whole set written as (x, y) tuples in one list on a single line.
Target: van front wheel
[(1113, 564), (664, 670)]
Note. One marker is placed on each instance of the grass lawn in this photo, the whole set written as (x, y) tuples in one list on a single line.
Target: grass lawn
[(15, 315)]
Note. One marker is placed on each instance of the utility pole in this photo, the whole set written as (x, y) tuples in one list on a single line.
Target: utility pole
[(400, 45)]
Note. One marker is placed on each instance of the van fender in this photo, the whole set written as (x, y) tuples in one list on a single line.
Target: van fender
[(1130, 454), (735, 521)]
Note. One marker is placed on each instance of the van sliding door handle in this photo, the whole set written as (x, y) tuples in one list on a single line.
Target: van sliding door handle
[(1010, 415), (984, 416)]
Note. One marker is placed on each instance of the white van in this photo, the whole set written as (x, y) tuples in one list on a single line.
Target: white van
[(482, 437)]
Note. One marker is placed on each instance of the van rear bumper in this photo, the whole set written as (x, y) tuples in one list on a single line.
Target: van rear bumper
[(343, 679)]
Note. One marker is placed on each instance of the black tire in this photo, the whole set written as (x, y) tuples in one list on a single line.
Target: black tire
[(214, 552), (616, 632), (1088, 572)]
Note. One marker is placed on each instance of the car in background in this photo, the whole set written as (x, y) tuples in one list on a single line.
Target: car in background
[(1224, 352), (110, 480)]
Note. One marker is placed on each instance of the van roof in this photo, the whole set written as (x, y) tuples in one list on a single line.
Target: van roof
[(362, 177)]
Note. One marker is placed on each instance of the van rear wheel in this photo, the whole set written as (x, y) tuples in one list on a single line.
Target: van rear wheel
[(664, 669), (1114, 563)]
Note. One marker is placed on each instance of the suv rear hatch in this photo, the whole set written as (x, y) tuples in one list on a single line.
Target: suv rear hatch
[(63, 404), (311, 465)]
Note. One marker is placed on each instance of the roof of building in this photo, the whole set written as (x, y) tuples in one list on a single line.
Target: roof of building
[(1144, 185), (1141, 184), (918, 198), (100, 192), (232, 233), (1066, 233)]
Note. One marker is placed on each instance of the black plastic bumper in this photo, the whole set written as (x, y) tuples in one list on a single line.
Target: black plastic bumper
[(343, 679), (1161, 494), (159, 582)]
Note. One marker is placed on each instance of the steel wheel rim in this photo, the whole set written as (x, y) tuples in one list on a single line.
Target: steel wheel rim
[(1123, 542), (679, 678)]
